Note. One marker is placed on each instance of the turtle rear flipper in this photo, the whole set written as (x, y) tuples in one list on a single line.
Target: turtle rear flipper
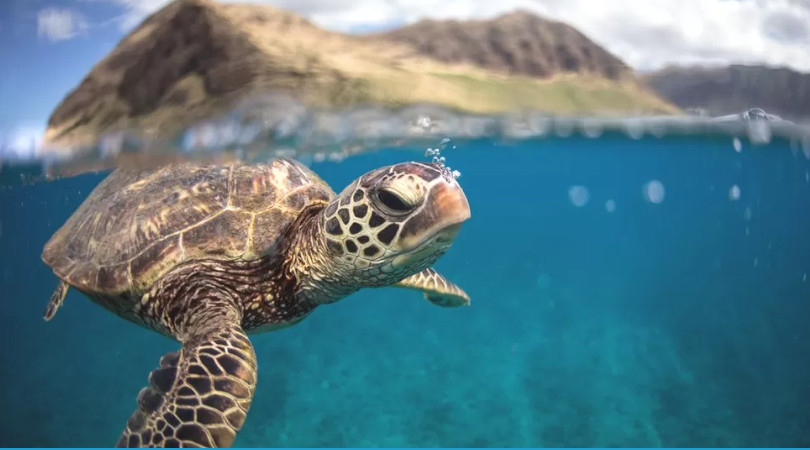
[(436, 288), (56, 300), (199, 397)]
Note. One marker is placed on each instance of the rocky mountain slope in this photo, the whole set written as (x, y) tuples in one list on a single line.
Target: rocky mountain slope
[(195, 58), (518, 43), (732, 89)]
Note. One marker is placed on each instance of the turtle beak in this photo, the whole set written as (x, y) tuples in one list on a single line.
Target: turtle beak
[(440, 219), (451, 208)]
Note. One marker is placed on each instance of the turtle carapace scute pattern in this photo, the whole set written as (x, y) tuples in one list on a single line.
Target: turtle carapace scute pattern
[(207, 254)]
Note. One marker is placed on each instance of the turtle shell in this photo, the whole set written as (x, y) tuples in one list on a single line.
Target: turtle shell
[(138, 225)]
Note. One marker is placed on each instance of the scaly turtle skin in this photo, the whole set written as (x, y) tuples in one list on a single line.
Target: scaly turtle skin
[(206, 254)]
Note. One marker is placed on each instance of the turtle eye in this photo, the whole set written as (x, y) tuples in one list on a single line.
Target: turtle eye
[(393, 202)]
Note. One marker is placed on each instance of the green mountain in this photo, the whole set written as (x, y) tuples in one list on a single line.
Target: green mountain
[(196, 58)]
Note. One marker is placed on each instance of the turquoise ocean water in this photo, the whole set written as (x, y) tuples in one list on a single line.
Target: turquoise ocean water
[(625, 292)]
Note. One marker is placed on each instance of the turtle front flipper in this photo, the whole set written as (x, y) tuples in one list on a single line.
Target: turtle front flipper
[(199, 397), (436, 288)]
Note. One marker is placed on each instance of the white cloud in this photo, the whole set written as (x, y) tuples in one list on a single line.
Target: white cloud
[(58, 24), (647, 34)]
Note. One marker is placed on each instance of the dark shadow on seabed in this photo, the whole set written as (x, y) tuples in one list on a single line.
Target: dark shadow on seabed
[(678, 324)]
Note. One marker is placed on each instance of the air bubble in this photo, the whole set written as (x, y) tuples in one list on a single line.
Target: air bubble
[(734, 193), (654, 191), (737, 145), (543, 282), (634, 129), (759, 131), (610, 206), (436, 158), (579, 195)]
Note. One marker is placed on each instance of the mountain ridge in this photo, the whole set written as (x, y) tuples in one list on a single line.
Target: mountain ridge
[(734, 88), (195, 58), (518, 42)]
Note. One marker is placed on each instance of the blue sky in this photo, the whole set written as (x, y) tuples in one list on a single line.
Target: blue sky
[(38, 71), (47, 46)]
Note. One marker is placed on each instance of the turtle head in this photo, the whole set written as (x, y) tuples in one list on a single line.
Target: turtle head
[(394, 222)]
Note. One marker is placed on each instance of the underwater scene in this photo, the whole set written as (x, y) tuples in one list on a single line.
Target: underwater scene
[(354, 223), (624, 292)]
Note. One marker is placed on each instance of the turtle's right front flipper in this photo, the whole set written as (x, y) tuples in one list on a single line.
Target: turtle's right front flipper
[(199, 397), (436, 288)]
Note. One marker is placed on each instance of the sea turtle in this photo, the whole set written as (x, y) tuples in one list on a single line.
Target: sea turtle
[(205, 254)]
